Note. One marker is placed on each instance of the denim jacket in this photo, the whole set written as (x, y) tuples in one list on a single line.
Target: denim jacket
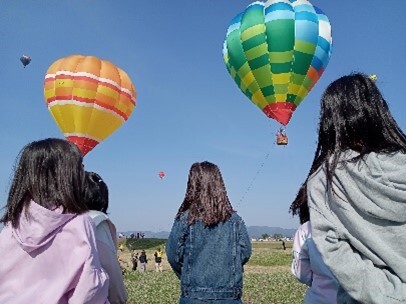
[(209, 261)]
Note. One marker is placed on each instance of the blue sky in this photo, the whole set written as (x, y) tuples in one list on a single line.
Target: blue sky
[(188, 107)]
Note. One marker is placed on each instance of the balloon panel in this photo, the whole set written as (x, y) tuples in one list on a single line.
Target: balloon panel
[(88, 98), (276, 52)]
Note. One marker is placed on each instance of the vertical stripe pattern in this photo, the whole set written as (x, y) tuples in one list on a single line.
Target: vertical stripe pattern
[(276, 52)]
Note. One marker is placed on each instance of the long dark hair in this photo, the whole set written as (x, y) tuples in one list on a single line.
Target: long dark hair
[(49, 172), (206, 196), (96, 195), (354, 116), (300, 206)]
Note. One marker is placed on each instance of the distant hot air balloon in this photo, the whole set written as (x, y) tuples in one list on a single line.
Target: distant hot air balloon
[(373, 77), (25, 60), (276, 52), (161, 174), (89, 98)]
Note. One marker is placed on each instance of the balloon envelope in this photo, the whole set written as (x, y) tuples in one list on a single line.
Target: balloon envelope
[(25, 60), (89, 98), (276, 52)]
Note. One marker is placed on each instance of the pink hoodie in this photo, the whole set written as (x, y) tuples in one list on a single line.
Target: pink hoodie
[(51, 258)]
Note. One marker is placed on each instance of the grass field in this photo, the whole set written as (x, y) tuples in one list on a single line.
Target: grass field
[(267, 277)]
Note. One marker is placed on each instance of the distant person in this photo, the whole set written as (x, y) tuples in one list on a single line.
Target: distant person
[(357, 193), (158, 260), (134, 259), (96, 197), (143, 259), (208, 244), (48, 246), (283, 245), (307, 264)]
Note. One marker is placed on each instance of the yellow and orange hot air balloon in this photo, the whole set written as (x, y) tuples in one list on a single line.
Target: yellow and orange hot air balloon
[(89, 98)]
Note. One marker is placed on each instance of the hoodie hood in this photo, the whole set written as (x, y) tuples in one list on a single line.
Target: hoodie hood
[(40, 227), (374, 185)]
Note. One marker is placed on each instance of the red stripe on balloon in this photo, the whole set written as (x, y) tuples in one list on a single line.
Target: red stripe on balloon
[(280, 111), (85, 144)]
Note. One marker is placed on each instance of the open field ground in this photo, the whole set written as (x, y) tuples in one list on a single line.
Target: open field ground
[(267, 277)]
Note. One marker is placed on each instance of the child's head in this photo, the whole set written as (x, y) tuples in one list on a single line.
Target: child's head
[(355, 116), (206, 196), (96, 195), (49, 172)]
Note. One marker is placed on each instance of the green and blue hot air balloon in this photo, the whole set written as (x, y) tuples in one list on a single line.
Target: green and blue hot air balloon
[(276, 52)]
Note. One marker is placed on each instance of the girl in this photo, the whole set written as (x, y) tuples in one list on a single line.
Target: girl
[(47, 246), (208, 244), (97, 199), (357, 193), (307, 264)]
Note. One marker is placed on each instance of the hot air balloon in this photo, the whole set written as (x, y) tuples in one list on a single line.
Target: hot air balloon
[(25, 60), (89, 98), (276, 52), (373, 77), (161, 174)]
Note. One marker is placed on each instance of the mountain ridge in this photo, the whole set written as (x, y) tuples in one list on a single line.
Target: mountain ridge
[(253, 231)]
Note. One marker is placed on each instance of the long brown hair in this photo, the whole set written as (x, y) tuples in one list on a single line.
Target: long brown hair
[(206, 196), (300, 206), (49, 172), (354, 116)]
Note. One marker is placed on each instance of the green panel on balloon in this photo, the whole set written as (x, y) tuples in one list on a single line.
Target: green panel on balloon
[(291, 98), (281, 35), (262, 76), (259, 62), (281, 88), (307, 82), (278, 68), (297, 78), (302, 63), (236, 53), (269, 90), (251, 18)]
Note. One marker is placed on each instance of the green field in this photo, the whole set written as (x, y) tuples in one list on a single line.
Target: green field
[(267, 277)]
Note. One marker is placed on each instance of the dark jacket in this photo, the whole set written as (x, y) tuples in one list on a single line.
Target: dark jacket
[(143, 258), (209, 261)]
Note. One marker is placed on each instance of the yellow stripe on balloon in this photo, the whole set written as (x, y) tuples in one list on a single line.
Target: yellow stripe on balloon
[(81, 115), (244, 70), (253, 31), (293, 88), (248, 79), (259, 99), (302, 92), (63, 82), (256, 52), (107, 91), (280, 57), (83, 93), (280, 97), (282, 78), (304, 47)]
